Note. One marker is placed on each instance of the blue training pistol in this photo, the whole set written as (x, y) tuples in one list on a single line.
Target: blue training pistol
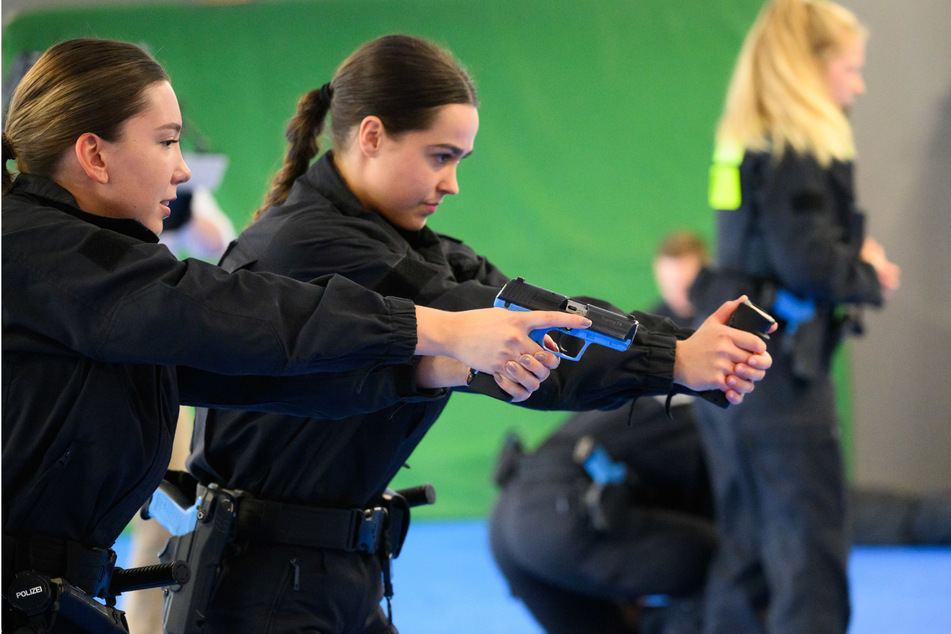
[(608, 328)]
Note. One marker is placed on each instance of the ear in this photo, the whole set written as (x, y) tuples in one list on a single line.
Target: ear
[(370, 135), (88, 150)]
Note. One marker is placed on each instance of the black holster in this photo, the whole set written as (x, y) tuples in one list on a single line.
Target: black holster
[(203, 548)]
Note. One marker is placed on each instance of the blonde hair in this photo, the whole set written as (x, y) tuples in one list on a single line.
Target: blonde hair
[(777, 98)]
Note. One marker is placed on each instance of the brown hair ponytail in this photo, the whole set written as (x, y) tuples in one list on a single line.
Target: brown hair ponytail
[(303, 134), (401, 79)]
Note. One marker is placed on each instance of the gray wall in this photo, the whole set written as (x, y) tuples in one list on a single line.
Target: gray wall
[(902, 368)]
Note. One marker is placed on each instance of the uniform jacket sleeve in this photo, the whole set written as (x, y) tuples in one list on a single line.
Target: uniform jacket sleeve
[(310, 395), (605, 378), (125, 300), (322, 228)]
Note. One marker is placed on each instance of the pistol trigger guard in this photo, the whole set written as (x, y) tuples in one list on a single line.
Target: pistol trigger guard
[(538, 336), (564, 355), (580, 352)]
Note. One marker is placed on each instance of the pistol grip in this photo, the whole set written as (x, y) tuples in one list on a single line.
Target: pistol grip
[(484, 383), (717, 397)]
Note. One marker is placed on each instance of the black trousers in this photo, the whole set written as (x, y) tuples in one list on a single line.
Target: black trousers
[(778, 479), (271, 589)]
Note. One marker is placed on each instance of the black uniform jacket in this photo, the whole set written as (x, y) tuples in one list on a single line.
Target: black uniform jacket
[(323, 228), (96, 317), (797, 228)]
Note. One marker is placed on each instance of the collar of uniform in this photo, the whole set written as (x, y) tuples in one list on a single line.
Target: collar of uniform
[(56, 196), (325, 178)]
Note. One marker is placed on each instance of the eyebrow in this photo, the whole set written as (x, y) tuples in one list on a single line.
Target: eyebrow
[(453, 149), (174, 127)]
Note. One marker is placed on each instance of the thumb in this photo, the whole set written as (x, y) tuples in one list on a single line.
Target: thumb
[(726, 311)]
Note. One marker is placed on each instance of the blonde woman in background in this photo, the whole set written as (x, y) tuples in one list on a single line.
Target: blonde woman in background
[(791, 237)]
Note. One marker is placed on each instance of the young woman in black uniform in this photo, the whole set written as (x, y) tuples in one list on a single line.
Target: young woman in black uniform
[(791, 237), (404, 115), (105, 332)]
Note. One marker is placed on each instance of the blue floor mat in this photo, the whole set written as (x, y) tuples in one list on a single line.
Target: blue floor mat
[(901, 589), (446, 581)]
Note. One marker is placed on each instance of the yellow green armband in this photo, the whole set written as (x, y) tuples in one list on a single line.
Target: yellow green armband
[(725, 177)]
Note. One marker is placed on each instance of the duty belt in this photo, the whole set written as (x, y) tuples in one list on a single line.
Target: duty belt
[(224, 516), (351, 530)]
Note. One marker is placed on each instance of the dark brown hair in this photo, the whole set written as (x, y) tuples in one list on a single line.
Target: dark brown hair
[(75, 87), (401, 79)]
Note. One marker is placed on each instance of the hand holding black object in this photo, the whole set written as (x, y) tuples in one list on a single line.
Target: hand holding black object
[(750, 318)]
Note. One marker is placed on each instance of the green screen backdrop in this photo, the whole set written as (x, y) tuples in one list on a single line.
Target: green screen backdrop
[(596, 131)]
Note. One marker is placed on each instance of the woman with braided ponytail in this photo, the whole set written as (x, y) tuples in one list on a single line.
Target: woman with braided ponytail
[(404, 115), (789, 235)]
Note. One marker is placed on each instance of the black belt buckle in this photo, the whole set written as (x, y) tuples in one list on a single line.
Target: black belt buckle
[(369, 529)]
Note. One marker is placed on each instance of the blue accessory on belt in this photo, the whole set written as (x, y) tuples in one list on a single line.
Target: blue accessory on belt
[(792, 309)]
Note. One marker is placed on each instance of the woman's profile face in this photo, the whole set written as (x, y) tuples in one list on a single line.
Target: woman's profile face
[(145, 164), (414, 171), (843, 73)]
